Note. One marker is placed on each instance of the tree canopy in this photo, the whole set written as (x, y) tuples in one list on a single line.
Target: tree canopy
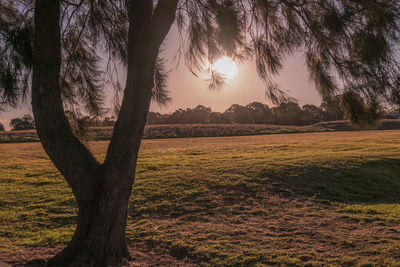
[(349, 46), (24, 123), (68, 50), (287, 113)]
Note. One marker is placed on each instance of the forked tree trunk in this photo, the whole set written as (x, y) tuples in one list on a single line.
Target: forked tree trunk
[(102, 190), (99, 239)]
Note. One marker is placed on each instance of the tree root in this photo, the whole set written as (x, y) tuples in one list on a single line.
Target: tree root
[(68, 259)]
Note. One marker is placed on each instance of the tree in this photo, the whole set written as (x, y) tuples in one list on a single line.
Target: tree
[(199, 114), (24, 123), (238, 114), (333, 109), (259, 113), (357, 111), (311, 114), (287, 113), (156, 118), (218, 118), (153, 117), (1, 127), (355, 41), (178, 117)]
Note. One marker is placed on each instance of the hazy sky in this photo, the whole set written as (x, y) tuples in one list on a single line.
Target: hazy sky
[(188, 90)]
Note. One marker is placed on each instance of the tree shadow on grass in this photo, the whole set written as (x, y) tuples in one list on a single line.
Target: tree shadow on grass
[(253, 200), (368, 182)]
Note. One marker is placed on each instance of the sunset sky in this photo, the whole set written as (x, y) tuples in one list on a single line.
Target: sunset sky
[(188, 90)]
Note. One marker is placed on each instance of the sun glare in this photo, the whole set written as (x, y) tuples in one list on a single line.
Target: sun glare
[(226, 67)]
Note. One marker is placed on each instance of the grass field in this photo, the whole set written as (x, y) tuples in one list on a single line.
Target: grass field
[(160, 131), (177, 131), (309, 199)]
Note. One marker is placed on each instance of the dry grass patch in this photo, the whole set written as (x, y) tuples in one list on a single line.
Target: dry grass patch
[(300, 200)]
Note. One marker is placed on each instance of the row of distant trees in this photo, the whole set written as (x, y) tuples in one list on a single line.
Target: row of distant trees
[(24, 123), (28, 123), (289, 113)]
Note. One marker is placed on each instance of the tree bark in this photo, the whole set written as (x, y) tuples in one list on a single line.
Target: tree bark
[(102, 190)]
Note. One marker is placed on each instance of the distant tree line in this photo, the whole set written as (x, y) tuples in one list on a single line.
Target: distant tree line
[(24, 123), (97, 122), (288, 113), (28, 123)]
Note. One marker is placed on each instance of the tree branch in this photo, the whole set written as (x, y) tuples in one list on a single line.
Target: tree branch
[(75, 162), (164, 16), (146, 33)]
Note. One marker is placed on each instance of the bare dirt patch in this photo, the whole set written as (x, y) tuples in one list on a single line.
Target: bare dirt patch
[(142, 255)]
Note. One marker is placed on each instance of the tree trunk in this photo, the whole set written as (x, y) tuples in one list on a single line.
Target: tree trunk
[(99, 239), (102, 190)]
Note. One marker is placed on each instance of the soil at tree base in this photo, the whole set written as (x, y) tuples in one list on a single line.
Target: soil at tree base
[(142, 255)]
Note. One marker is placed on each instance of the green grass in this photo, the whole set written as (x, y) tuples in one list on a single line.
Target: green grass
[(18, 139), (293, 200), (389, 212)]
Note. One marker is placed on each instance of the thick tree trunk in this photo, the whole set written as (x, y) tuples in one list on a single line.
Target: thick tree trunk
[(99, 239), (102, 190)]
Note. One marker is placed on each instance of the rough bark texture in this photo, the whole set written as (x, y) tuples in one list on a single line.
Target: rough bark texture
[(102, 190)]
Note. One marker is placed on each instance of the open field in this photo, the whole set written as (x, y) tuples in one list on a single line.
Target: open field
[(308, 199), (205, 130), (175, 131)]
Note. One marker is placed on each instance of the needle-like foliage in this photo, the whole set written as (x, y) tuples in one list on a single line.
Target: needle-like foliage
[(93, 35), (15, 53), (348, 46)]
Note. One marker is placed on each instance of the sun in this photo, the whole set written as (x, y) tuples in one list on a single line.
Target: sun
[(226, 67)]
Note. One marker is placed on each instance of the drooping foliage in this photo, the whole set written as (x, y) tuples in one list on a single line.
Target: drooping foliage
[(16, 58), (338, 38), (356, 110), (88, 31), (348, 46)]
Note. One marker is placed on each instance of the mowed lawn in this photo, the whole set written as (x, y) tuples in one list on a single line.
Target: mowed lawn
[(292, 200)]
